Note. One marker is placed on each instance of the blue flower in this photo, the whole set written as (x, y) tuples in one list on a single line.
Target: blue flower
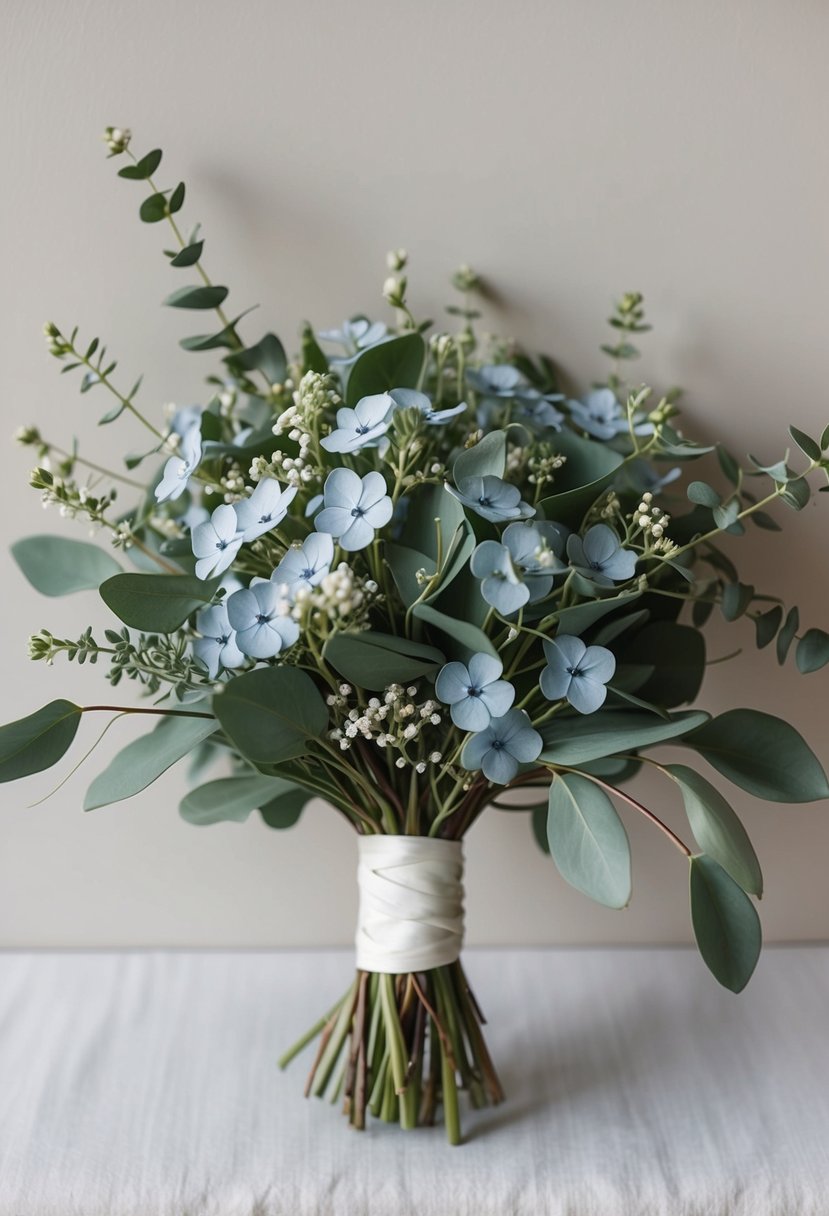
[(502, 747), (501, 584), (492, 497), (194, 515), (353, 508), (537, 413), (602, 416), (408, 398), (307, 564), (179, 468), (265, 509), (261, 617), (497, 380), (640, 476), (361, 427), (474, 692), (356, 335), (217, 646), (186, 417), (577, 672), (536, 549), (600, 557), (216, 542)]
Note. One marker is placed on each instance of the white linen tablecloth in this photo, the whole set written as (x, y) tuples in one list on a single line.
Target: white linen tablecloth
[(145, 1084)]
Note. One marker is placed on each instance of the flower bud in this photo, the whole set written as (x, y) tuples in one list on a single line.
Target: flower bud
[(396, 259), (117, 139)]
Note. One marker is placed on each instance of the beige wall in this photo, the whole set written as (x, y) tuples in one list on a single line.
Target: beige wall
[(568, 149)]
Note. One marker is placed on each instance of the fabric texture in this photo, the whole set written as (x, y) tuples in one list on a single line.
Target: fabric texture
[(145, 1084)]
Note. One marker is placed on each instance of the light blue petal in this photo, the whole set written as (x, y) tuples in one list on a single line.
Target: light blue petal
[(525, 745), (334, 520), (598, 663), (498, 697), (452, 683), (564, 651), (470, 714), (505, 597), (259, 641), (484, 669), (373, 490), (342, 489), (242, 608), (600, 543), (231, 656), (379, 513), (499, 766), (213, 622), (621, 566), (554, 684), (207, 651), (476, 748), (357, 536), (489, 557), (586, 695)]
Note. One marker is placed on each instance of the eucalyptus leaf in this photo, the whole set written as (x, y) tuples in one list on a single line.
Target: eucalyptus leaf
[(590, 467), (538, 822), (726, 924), (231, 799), (153, 209), (786, 635), (267, 356), (393, 364), (271, 714), (677, 655), (588, 841), (761, 754), (486, 458), (405, 565), (767, 624), (284, 810), (197, 297), (808, 446), (576, 619), (468, 638), (717, 828), (38, 741), (432, 511), (189, 255), (700, 492), (145, 168), (375, 660), (812, 651), (144, 760), (572, 741), (157, 603), (56, 565), (736, 600), (796, 494)]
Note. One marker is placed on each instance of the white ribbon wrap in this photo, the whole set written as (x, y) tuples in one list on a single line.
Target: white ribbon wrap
[(411, 903)]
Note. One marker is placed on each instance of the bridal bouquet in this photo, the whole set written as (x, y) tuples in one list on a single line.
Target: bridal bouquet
[(405, 571)]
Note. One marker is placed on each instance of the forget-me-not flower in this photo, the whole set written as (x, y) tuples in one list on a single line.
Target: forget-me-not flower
[(577, 672), (501, 584), (502, 747), (601, 415), (179, 468), (305, 565), (497, 380), (216, 542), (410, 398), (537, 413), (217, 646), (492, 497), (354, 507), (265, 509), (536, 548), (260, 614), (361, 427), (600, 557), (474, 691), (186, 417)]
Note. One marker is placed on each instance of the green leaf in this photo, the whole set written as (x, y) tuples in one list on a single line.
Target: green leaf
[(271, 714), (313, 357), (576, 740), (538, 821), (405, 564), (176, 201), (588, 841), (700, 492), (145, 168), (223, 338), (590, 468), (736, 599), (38, 741), (393, 364), (197, 297), (726, 924), (762, 520), (153, 209), (487, 458), (267, 356), (812, 651), (786, 635), (231, 799), (613, 629), (284, 810), (761, 754), (725, 517), (144, 760), (575, 620), (468, 638), (55, 565), (767, 624), (796, 494), (189, 255), (432, 509), (728, 464), (717, 828), (808, 446), (778, 471), (375, 660), (677, 655), (157, 603)]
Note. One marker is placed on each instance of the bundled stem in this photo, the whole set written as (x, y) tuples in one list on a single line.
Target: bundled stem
[(398, 1047)]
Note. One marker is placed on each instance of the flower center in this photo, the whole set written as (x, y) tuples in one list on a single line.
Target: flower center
[(484, 501), (223, 639), (363, 430), (575, 671), (308, 573), (265, 519), (472, 691), (497, 744), (358, 512), (222, 544), (262, 618)]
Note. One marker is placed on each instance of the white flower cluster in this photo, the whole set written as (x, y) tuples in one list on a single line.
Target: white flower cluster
[(396, 721), (341, 593), (652, 520), (612, 506), (543, 468), (314, 395)]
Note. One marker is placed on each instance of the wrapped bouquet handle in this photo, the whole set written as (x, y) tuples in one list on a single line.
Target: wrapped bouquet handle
[(411, 903)]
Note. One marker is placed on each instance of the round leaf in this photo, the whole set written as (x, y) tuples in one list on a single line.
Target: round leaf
[(271, 715), (812, 651), (55, 565), (588, 841), (761, 754), (589, 469), (726, 924), (375, 660), (35, 743), (487, 458), (157, 603), (393, 364)]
